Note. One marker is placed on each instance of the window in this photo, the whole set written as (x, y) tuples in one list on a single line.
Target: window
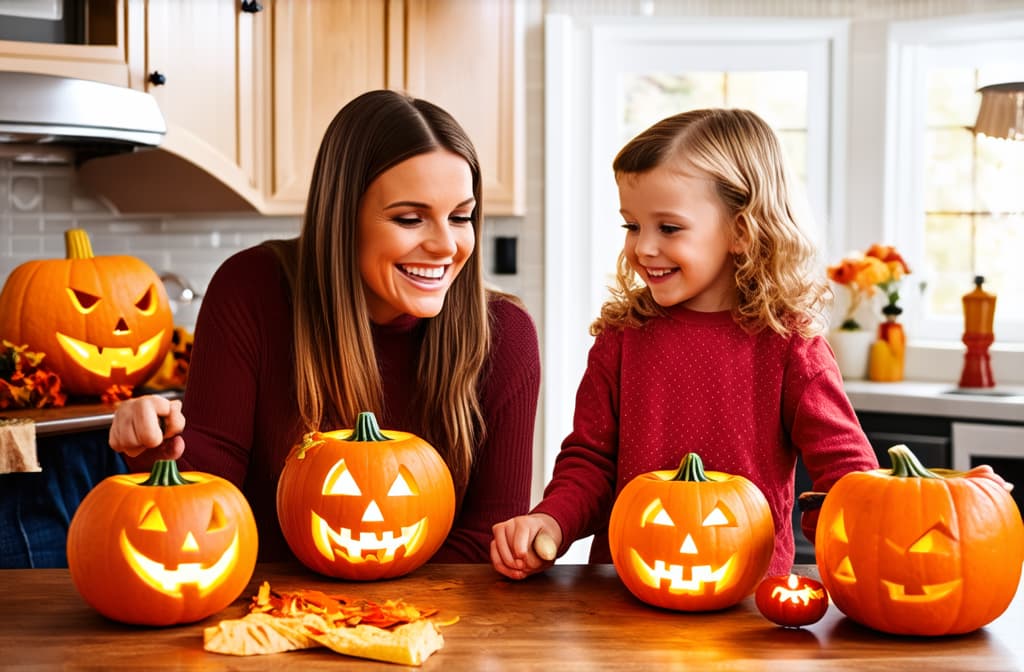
[(954, 201)]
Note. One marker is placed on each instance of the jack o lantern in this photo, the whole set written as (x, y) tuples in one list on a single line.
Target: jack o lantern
[(913, 551), (162, 548), (791, 601), (365, 504), (690, 540), (101, 321)]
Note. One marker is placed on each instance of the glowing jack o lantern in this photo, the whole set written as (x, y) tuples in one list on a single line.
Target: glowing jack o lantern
[(791, 601), (914, 551), (101, 321), (162, 548), (691, 540), (365, 504)]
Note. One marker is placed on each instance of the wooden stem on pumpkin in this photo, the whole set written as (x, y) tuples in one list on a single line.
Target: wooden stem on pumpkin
[(367, 429), (77, 244), (691, 469), (165, 472), (906, 465)]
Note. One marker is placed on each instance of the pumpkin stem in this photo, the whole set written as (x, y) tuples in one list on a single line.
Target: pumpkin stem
[(77, 244), (691, 469), (165, 472), (906, 465), (367, 429)]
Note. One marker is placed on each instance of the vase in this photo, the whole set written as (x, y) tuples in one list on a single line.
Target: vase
[(852, 348), (888, 353)]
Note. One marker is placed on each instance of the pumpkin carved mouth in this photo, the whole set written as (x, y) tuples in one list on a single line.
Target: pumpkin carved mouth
[(170, 581), (930, 592), (368, 546), (701, 576), (100, 360)]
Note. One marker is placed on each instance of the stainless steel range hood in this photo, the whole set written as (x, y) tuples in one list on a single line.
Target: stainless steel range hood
[(46, 119)]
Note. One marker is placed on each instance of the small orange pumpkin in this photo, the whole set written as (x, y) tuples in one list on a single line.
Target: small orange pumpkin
[(914, 551), (101, 321), (365, 503), (690, 540), (162, 548), (791, 601)]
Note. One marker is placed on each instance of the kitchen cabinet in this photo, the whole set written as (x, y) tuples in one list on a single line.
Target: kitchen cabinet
[(467, 57), (247, 95), (464, 56), (102, 58)]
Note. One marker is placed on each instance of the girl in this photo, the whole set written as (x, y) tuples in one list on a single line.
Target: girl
[(717, 350)]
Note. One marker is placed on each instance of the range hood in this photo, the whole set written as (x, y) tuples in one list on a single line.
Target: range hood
[(45, 119), (99, 129)]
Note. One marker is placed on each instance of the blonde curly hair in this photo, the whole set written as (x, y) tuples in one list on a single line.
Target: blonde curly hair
[(778, 280)]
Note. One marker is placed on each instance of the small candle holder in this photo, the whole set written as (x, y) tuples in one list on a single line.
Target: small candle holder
[(979, 314)]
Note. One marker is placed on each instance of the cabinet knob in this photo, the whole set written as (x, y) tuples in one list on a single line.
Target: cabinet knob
[(251, 6), (157, 78)]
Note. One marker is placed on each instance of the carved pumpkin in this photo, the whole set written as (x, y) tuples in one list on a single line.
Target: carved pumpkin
[(914, 551), (791, 601), (365, 504), (691, 540), (101, 321), (162, 548)]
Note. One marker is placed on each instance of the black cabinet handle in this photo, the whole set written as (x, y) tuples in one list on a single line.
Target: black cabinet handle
[(157, 78), (251, 6)]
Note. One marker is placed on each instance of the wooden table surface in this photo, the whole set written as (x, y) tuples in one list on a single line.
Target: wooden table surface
[(573, 617)]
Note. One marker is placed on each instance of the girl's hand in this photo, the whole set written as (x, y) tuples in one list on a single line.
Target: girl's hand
[(146, 423), (514, 549)]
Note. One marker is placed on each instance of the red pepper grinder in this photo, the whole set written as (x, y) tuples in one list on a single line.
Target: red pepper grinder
[(979, 312)]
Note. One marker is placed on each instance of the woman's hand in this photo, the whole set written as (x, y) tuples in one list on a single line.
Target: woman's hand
[(146, 423), (514, 549)]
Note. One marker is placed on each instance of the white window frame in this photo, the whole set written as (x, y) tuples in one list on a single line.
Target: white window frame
[(913, 47)]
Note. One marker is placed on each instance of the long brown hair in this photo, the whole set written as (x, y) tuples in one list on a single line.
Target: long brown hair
[(336, 370), (779, 285)]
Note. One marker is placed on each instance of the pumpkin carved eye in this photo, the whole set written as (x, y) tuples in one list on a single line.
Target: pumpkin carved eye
[(655, 514), (83, 302), (339, 481), (938, 540), (152, 520), (404, 485), (147, 305), (719, 516)]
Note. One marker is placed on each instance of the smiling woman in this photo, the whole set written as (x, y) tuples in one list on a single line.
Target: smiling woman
[(378, 306)]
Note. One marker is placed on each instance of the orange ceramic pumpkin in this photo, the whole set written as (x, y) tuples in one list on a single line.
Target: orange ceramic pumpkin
[(162, 548), (914, 551), (365, 504), (101, 321), (791, 601), (691, 540)]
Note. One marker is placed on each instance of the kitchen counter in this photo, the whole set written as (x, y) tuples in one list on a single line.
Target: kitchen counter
[(572, 617), (73, 417), (1003, 403)]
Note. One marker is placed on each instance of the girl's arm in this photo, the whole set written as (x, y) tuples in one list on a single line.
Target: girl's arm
[(582, 488)]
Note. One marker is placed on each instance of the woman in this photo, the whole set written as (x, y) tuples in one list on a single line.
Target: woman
[(378, 305)]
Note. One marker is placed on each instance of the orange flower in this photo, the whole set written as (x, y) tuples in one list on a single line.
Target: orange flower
[(881, 267)]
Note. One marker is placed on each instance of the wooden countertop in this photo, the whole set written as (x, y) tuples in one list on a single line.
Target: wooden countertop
[(573, 617), (73, 417)]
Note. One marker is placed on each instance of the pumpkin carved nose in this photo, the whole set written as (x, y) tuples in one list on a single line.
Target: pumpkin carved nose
[(373, 514), (688, 547), (122, 327)]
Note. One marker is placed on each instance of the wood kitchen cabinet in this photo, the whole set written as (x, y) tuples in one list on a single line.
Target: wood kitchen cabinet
[(103, 57), (465, 56), (247, 95)]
